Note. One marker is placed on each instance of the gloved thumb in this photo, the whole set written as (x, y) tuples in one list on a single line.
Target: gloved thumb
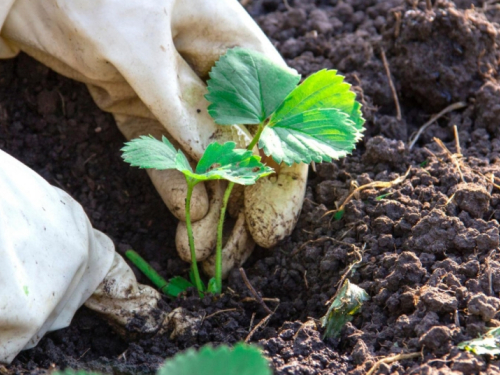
[(282, 194)]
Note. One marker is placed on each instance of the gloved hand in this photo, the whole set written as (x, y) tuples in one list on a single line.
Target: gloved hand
[(52, 261), (146, 62)]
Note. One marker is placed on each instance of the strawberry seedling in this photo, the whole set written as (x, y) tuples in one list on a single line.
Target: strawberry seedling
[(318, 120), (218, 162)]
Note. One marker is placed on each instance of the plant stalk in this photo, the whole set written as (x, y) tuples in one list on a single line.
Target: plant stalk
[(194, 264), (256, 137), (220, 224), (220, 230), (147, 270)]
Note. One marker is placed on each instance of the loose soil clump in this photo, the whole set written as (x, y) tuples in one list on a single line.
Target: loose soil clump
[(428, 245)]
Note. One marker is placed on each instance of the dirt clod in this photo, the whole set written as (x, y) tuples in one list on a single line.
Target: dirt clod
[(485, 307)]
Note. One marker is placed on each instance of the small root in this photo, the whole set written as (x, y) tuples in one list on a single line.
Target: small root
[(391, 85), (387, 360), (260, 324), (220, 312), (253, 291), (374, 184), (451, 107)]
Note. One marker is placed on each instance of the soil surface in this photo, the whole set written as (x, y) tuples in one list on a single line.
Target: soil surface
[(428, 245)]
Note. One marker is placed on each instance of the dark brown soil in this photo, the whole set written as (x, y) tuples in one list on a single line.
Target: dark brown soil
[(429, 249)]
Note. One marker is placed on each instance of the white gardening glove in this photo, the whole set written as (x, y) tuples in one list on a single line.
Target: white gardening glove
[(146, 62), (52, 261)]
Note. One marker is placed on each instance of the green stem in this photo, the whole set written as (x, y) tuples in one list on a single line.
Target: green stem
[(194, 264), (147, 270), (256, 137), (220, 224), (220, 229)]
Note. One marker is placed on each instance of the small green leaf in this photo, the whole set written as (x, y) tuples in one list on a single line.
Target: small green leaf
[(212, 286), (245, 87), (323, 89), (346, 303), (26, 290), (489, 343), (148, 152), (225, 162), (339, 215), (318, 121), (241, 360), (217, 162), (424, 163), (315, 135), (176, 286), (380, 197)]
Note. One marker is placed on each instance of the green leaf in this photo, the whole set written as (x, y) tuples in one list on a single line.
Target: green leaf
[(212, 286), (383, 196), (245, 87), (225, 162), (148, 152), (424, 163), (217, 162), (319, 121), (346, 303), (489, 343), (176, 286), (323, 89), (241, 360), (316, 135), (339, 215)]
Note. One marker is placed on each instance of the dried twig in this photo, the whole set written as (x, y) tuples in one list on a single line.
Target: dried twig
[(260, 324), (453, 157), (310, 323), (287, 5), (374, 184), (428, 5), (387, 360), (123, 355), (251, 299), (489, 273), (253, 291), (457, 141), (346, 273), (63, 104), (220, 312), (321, 239), (83, 354), (397, 26), (251, 321), (391, 84), (450, 108)]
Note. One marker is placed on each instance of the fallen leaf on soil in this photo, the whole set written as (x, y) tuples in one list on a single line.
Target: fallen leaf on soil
[(347, 303), (489, 343)]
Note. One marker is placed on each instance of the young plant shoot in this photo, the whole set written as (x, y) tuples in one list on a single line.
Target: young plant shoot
[(218, 162), (318, 121)]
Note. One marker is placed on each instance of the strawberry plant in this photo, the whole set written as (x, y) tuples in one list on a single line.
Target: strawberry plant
[(318, 120), (218, 162)]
